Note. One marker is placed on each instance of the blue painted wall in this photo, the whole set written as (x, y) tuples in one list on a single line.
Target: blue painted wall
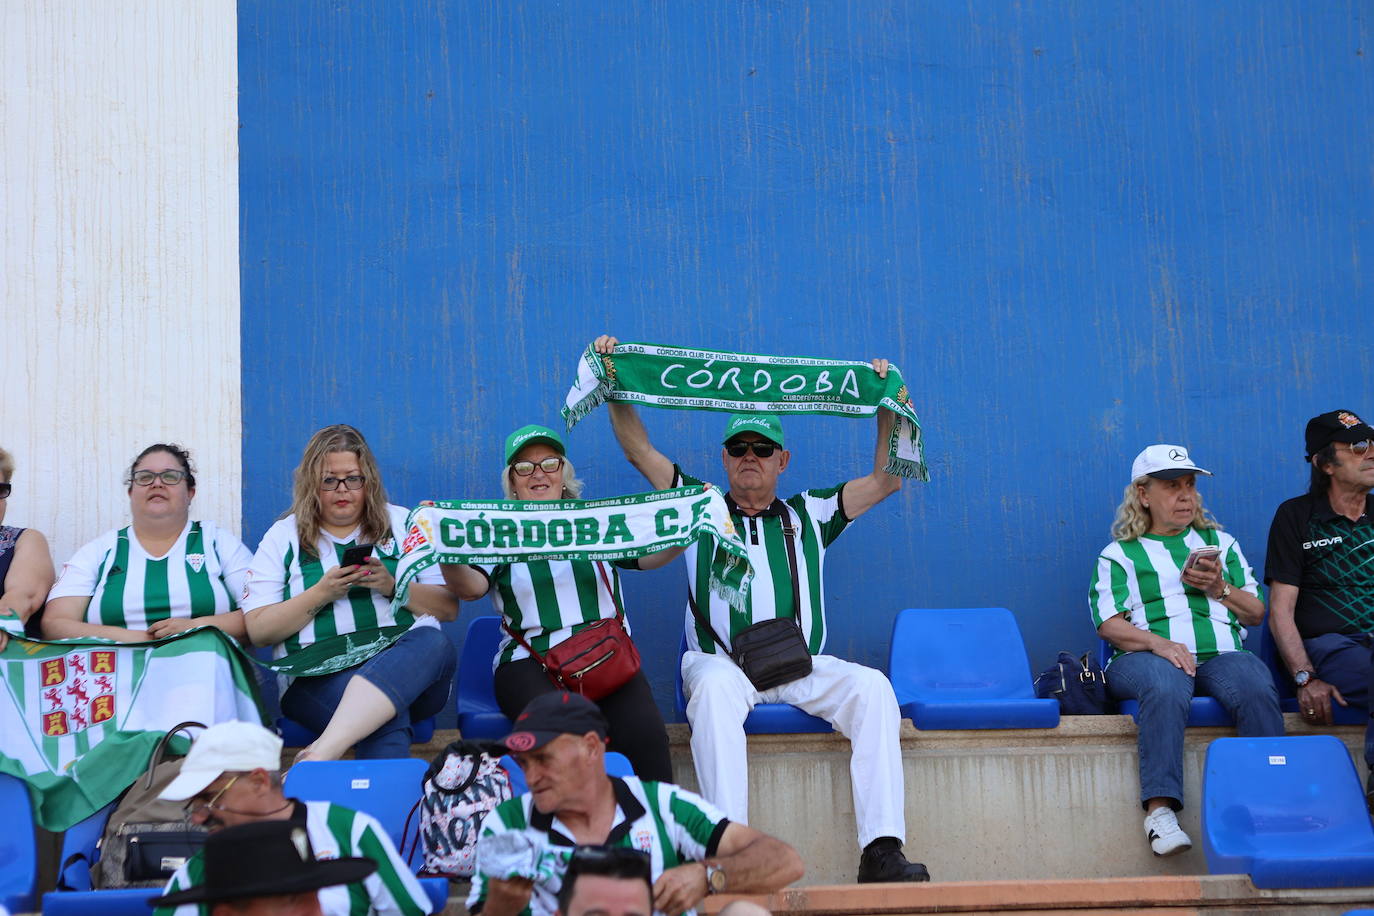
[(1077, 227)]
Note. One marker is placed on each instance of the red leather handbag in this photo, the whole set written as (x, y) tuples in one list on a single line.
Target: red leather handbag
[(597, 660)]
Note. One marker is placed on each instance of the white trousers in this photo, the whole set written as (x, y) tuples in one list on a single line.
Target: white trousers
[(856, 700)]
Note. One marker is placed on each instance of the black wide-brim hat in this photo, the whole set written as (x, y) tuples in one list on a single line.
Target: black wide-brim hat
[(262, 859)]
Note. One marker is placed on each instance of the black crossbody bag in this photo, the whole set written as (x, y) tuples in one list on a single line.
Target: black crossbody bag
[(772, 652)]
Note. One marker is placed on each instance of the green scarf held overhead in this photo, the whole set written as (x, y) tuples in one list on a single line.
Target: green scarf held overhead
[(641, 373), (619, 528)]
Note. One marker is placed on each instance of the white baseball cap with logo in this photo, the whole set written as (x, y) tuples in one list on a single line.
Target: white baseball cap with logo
[(1164, 462), (229, 747)]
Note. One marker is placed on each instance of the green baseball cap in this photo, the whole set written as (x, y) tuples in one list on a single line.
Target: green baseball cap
[(766, 425), (532, 433)]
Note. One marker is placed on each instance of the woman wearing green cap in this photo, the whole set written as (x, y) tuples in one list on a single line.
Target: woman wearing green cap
[(546, 602)]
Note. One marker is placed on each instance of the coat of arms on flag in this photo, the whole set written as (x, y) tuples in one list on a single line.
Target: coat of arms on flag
[(79, 718)]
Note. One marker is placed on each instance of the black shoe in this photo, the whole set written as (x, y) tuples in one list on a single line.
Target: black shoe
[(883, 861)]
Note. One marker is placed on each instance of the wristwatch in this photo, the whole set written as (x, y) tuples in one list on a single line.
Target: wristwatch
[(1225, 591), (715, 878), (1301, 677)]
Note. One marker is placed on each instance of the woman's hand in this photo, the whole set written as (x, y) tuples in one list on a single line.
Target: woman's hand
[(161, 629), (604, 344), (1205, 576), (334, 584), (1177, 653), (375, 577)]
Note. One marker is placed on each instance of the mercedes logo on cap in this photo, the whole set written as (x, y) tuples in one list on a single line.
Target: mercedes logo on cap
[(1177, 454)]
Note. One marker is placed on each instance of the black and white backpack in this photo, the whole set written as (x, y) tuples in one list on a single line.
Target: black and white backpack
[(463, 783)]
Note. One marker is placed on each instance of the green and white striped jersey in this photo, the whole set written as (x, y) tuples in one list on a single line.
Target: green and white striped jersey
[(281, 569), (547, 601), (817, 517), (335, 832), (200, 576), (1141, 580), (672, 825)]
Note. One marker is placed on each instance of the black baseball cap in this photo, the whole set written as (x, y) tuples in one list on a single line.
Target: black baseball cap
[(552, 714), (263, 858), (1335, 426)]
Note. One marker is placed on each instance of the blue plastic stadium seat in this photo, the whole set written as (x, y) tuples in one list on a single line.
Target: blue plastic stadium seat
[(765, 718), (437, 891), (1203, 712), (132, 901), (479, 717), (80, 841), (18, 851), (964, 668), (1289, 812), (385, 789)]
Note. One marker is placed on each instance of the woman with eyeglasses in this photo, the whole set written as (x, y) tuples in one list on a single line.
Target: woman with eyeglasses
[(320, 593), (25, 565), (162, 574), (546, 602)]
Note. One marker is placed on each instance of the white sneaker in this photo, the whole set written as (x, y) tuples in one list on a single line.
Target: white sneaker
[(1165, 835)]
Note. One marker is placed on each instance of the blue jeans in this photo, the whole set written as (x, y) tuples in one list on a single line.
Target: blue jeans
[(415, 672), (1239, 680), (1347, 663)]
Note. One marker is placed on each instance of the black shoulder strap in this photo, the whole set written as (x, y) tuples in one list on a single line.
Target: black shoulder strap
[(789, 535)]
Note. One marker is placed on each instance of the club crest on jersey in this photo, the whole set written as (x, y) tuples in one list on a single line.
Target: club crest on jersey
[(196, 561), (644, 840)]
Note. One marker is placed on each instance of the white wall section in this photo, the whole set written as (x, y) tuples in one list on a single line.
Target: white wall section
[(119, 285)]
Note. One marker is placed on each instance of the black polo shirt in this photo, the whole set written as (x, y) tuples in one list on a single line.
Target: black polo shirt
[(1331, 561)]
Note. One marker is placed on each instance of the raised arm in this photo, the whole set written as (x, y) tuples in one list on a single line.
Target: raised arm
[(466, 583), (863, 493), (753, 862), (632, 436)]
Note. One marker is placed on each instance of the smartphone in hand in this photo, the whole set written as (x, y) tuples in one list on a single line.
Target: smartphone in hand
[(357, 554), (1201, 553)]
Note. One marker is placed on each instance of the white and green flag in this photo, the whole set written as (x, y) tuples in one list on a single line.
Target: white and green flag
[(79, 717), (617, 528)]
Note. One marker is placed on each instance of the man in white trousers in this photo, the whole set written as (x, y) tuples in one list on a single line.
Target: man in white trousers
[(786, 540)]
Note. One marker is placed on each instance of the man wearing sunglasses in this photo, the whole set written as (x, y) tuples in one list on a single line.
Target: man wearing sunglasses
[(786, 540), (232, 776), (1320, 572)]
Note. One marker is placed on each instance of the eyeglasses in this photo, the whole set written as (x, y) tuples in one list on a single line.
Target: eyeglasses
[(549, 466), (762, 449), (194, 808), (5, 491), (627, 861), (1361, 448), (351, 482), (146, 478)]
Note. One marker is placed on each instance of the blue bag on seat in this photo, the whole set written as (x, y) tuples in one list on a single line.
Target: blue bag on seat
[(1079, 684)]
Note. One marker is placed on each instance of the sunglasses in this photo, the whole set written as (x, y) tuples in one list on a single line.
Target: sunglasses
[(146, 478), (351, 482), (5, 490), (549, 465), (761, 449), (1361, 448)]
